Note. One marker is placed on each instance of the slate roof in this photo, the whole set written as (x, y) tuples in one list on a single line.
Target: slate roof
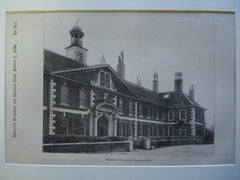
[(170, 98), (55, 62), (145, 94)]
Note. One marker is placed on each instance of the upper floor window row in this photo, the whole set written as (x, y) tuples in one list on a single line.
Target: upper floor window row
[(130, 107), (182, 115), (150, 112), (65, 97)]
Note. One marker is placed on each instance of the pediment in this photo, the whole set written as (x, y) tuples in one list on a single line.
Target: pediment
[(92, 75)]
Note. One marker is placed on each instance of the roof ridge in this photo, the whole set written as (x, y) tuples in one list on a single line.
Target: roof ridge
[(139, 85), (82, 68)]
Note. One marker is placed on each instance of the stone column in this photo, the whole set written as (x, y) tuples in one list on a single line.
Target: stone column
[(136, 109), (115, 127), (192, 122), (92, 103), (52, 115), (95, 126), (135, 129), (91, 124)]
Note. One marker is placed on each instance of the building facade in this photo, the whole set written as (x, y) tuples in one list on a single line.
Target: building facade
[(96, 100)]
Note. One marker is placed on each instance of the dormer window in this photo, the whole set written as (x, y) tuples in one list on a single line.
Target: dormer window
[(64, 95)]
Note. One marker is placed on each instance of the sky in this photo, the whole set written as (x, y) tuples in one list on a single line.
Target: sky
[(165, 43)]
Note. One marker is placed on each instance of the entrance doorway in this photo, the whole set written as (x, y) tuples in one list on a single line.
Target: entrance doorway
[(102, 126)]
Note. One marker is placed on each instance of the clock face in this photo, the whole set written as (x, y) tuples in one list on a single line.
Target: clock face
[(78, 55)]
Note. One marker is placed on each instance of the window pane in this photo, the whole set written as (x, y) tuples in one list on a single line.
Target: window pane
[(62, 126), (79, 124), (120, 105), (157, 114), (82, 98), (64, 94), (148, 111), (171, 115), (183, 114), (130, 107), (107, 81), (140, 110), (102, 79), (182, 131), (161, 114)]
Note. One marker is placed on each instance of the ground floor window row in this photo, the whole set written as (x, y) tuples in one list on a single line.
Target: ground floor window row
[(124, 128), (70, 127), (128, 129)]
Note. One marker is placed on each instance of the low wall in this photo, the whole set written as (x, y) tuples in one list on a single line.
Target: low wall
[(92, 147), (147, 143), (171, 142)]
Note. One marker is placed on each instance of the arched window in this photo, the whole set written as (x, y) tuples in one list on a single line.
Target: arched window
[(64, 95), (82, 98), (102, 79), (107, 81)]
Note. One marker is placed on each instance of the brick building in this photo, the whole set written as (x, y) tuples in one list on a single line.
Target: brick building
[(85, 100)]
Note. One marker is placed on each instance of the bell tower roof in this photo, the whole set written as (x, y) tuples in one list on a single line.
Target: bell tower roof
[(76, 28), (75, 50)]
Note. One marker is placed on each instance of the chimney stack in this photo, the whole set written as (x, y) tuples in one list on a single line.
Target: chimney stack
[(103, 60), (121, 65), (191, 92), (139, 81), (155, 82), (178, 83)]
